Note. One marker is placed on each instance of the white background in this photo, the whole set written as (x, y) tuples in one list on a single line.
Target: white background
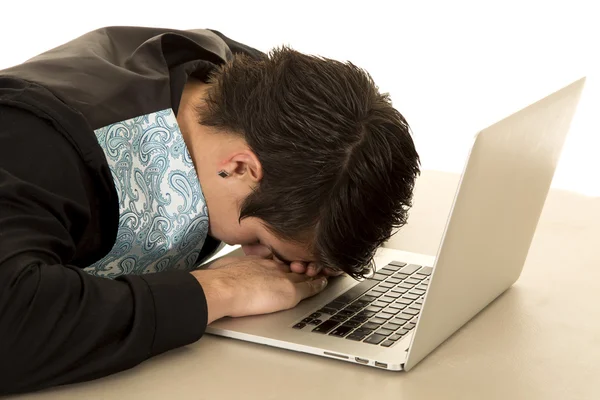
[(451, 67)]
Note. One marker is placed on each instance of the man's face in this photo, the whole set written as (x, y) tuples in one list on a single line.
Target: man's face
[(257, 240)]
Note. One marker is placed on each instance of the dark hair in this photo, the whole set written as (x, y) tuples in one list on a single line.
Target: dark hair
[(339, 163)]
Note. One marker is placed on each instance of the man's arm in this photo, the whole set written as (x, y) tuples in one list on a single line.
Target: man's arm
[(58, 324)]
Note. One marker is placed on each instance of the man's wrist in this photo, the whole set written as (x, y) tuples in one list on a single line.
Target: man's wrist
[(218, 294)]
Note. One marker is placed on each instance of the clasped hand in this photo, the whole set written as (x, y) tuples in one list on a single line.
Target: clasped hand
[(252, 285)]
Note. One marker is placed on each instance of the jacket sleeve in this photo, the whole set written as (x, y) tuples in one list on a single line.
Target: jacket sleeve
[(58, 324)]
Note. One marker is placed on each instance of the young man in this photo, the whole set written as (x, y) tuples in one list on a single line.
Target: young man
[(129, 154)]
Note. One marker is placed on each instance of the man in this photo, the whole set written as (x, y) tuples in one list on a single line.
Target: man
[(129, 154)]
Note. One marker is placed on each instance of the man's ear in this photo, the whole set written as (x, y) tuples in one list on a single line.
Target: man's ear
[(243, 165)]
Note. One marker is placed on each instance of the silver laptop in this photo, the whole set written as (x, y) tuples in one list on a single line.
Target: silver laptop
[(415, 302)]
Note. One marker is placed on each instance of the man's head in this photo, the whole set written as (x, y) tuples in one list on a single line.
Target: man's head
[(329, 167)]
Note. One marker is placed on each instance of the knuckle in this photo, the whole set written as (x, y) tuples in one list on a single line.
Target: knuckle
[(318, 285)]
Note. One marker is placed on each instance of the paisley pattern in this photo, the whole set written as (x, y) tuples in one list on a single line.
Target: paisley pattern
[(163, 219)]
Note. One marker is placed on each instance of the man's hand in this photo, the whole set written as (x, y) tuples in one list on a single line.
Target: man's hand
[(242, 286)]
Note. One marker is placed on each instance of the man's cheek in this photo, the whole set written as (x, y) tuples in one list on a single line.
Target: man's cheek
[(256, 250)]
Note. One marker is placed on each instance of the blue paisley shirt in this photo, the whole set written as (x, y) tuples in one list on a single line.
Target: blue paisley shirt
[(163, 218)]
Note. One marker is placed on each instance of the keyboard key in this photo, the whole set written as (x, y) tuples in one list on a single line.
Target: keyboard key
[(316, 322), (356, 291), (426, 270), (373, 294), (378, 303), (358, 336), (386, 285), (315, 315), (384, 315), (299, 325), (412, 281), (378, 321), (403, 316), (326, 326), (327, 310), (335, 305), (375, 339), (366, 313), (402, 332), (385, 272), (391, 310), (411, 296), (359, 318), (352, 307), (404, 301), (360, 304), (393, 280), (395, 337), (307, 320), (398, 290), (353, 324), (371, 326), (416, 306), (420, 301), (405, 285), (391, 326), (422, 286), (374, 308), (410, 269), (384, 332), (388, 343), (400, 275), (417, 291), (345, 313), (397, 264), (380, 290), (367, 299), (338, 318), (411, 311), (398, 306), (410, 325), (419, 276), (387, 299), (365, 330), (341, 331), (378, 277), (393, 295)]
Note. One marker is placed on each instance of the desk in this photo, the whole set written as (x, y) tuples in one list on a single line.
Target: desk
[(539, 340)]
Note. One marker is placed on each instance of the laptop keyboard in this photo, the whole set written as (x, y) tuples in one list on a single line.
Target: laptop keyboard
[(378, 311)]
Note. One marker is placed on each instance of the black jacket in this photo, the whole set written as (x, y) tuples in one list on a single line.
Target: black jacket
[(59, 208)]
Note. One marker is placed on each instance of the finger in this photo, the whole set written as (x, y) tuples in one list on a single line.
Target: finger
[(313, 269), (298, 267), (283, 267), (297, 278), (256, 250), (310, 287)]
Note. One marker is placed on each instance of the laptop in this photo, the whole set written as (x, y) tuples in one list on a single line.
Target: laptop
[(414, 302)]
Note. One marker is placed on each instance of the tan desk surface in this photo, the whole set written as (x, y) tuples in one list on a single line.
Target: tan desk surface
[(540, 340)]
